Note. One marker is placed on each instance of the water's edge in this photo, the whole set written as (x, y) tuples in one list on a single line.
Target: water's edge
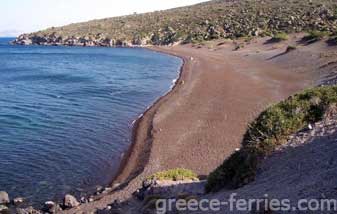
[(129, 169)]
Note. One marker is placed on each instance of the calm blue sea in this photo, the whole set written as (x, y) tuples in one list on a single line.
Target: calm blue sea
[(66, 114)]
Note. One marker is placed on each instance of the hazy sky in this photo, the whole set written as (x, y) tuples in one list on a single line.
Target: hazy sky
[(23, 16)]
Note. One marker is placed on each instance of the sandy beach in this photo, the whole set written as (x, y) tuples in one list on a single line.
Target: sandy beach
[(201, 121)]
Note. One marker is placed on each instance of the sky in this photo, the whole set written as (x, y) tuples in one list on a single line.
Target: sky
[(25, 16)]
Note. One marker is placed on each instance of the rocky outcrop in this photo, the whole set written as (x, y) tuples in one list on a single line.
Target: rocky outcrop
[(99, 40)]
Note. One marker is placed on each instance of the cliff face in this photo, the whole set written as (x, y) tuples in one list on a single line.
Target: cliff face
[(210, 20)]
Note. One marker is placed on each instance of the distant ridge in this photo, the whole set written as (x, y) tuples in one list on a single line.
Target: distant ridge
[(205, 21)]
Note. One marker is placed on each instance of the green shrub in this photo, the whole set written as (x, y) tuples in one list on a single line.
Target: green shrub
[(175, 175), (266, 32), (315, 35), (278, 37), (269, 130)]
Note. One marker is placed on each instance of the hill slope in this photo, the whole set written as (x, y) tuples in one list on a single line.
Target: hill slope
[(205, 21)]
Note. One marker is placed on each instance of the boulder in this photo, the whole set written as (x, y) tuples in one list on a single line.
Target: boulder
[(4, 198), (70, 201), (18, 200)]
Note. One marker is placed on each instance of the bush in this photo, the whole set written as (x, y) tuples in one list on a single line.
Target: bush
[(279, 37), (175, 175), (268, 131), (314, 36)]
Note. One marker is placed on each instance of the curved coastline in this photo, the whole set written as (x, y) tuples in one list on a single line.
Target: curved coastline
[(217, 93), (137, 155), (200, 85)]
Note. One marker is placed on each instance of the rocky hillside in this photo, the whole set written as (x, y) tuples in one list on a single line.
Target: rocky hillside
[(206, 21)]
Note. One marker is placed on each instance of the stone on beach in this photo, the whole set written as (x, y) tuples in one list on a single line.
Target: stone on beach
[(70, 201), (4, 198)]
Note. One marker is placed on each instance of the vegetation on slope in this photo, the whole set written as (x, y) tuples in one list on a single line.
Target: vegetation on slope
[(178, 174), (278, 37), (206, 21), (315, 35), (269, 130)]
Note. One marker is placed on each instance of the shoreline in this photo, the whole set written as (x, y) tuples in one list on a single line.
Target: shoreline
[(128, 171), (202, 119)]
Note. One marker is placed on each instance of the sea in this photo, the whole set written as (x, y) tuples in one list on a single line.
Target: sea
[(66, 114)]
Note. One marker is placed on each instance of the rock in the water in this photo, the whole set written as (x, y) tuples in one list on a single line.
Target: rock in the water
[(70, 201), (4, 198), (18, 200)]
